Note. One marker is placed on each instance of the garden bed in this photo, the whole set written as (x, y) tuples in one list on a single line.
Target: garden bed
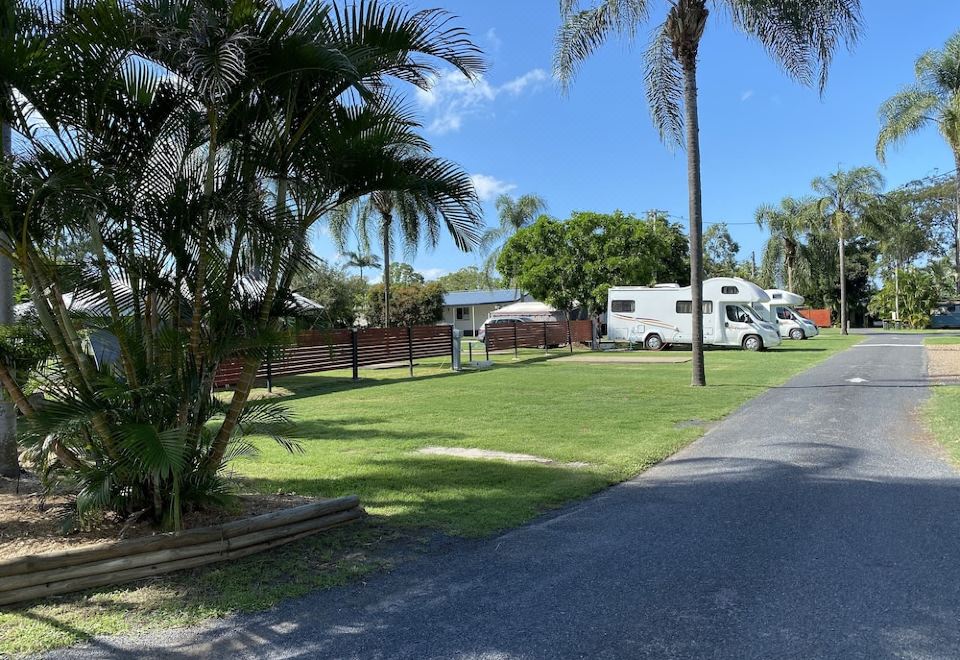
[(32, 523)]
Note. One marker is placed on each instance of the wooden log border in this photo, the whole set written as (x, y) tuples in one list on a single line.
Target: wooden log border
[(54, 573)]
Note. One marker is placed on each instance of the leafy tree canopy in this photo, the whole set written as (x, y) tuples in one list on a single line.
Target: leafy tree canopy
[(410, 304), (577, 260), (470, 278), (403, 274)]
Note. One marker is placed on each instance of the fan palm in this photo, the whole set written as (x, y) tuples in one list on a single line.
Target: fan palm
[(514, 215), (844, 196), (933, 99), (801, 36), (786, 224)]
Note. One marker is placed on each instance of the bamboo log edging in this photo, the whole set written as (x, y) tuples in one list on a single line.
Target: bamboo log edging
[(38, 576)]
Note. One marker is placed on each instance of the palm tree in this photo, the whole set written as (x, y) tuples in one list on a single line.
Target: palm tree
[(362, 260), (194, 143), (9, 462), (844, 196), (514, 214), (787, 224), (801, 36), (933, 99), (415, 214)]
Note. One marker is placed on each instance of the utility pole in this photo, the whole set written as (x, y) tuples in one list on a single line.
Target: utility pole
[(9, 463), (753, 264)]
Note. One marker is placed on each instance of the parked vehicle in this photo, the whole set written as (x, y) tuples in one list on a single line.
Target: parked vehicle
[(661, 315), (781, 310), (500, 320), (946, 315)]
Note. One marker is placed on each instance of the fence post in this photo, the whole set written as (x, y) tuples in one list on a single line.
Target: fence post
[(269, 369), (486, 344), (544, 336), (410, 347), (516, 354), (594, 334), (569, 334), (354, 354)]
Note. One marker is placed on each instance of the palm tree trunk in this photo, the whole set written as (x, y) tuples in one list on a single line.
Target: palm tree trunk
[(956, 221), (896, 297), (843, 285), (692, 125), (386, 269), (9, 463), (790, 255)]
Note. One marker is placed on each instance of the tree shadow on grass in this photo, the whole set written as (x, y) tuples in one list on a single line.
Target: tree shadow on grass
[(709, 556)]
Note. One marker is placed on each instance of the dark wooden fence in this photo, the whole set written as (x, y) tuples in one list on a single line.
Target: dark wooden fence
[(327, 350), (544, 335)]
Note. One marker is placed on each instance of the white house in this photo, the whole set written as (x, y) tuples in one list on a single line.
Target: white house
[(467, 310)]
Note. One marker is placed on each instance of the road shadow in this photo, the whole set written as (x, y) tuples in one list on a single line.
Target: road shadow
[(703, 557)]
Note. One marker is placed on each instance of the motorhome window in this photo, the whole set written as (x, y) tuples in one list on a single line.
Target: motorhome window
[(686, 307), (777, 296), (784, 313), (737, 314), (623, 306), (729, 290)]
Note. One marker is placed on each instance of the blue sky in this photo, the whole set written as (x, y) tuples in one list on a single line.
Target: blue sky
[(762, 135)]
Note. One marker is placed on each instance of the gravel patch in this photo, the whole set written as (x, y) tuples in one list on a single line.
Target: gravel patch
[(487, 454)]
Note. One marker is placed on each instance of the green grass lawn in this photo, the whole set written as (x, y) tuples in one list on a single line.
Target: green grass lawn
[(363, 438), (942, 411)]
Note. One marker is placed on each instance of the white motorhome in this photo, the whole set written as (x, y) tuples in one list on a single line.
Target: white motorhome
[(661, 315), (780, 310)]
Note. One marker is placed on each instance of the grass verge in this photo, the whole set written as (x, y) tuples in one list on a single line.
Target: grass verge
[(613, 420), (941, 413)]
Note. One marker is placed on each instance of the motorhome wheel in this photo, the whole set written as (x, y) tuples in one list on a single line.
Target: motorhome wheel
[(653, 343), (752, 343), (797, 333)]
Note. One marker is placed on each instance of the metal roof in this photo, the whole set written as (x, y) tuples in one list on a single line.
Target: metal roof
[(482, 297)]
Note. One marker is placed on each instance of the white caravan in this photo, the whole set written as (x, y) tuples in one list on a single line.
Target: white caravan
[(661, 315), (780, 310)]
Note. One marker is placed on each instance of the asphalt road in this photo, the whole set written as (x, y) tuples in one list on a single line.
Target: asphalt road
[(816, 522)]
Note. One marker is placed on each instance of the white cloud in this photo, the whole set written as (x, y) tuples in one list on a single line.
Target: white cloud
[(746, 96), (489, 187), (433, 273), (493, 40), (453, 97)]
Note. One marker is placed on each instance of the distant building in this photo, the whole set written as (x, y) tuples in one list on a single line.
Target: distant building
[(467, 310)]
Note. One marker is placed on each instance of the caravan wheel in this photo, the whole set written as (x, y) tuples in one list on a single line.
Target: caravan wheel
[(653, 343), (797, 333)]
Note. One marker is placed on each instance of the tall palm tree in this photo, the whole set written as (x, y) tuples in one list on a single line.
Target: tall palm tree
[(934, 98), (514, 215), (801, 36), (844, 196), (361, 260), (9, 463), (414, 215), (787, 224)]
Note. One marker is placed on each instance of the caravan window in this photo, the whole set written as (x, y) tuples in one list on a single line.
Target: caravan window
[(686, 307), (784, 313), (622, 305), (729, 289)]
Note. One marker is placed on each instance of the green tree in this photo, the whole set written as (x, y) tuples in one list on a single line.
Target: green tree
[(933, 99), (844, 196), (801, 36), (576, 261), (469, 278), (192, 145), (514, 215), (912, 298), (412, 304), (404, 275), (786, 224), (720, 252), (361, 260), (341, 295)]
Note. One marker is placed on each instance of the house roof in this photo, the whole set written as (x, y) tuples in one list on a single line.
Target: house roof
[(482, 297)]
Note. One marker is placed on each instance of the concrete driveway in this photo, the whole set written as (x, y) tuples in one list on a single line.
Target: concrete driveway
[(816, 522)]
